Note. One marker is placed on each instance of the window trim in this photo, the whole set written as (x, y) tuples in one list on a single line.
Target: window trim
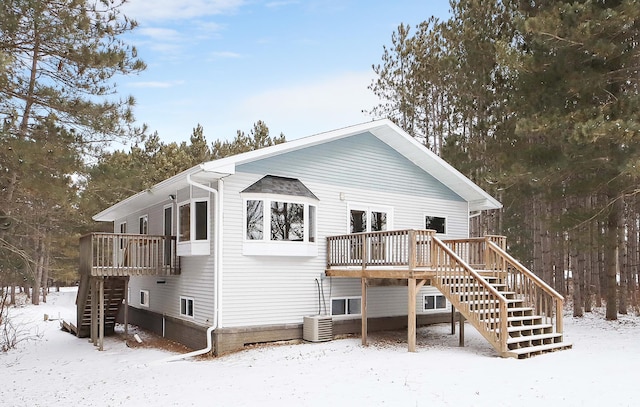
[(446, 222), (435, 303), (187, 300), (267, 247), (193, 247), (346, 300), (369, 208)]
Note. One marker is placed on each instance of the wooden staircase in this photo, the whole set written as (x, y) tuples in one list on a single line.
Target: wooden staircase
[(114, 294), (518, 314)]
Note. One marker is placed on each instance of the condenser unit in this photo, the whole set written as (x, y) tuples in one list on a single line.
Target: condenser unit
[(317, 328)]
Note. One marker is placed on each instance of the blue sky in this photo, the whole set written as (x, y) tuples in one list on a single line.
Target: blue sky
[(302, 67)]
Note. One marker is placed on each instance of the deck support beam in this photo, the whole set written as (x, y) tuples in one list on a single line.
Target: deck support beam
[(413, 287), (461, 340), (126, 307), (93, 288), (363, 304), (101, 312), (453, 320)]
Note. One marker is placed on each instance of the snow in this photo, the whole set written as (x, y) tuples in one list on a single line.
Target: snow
[(60, 369)]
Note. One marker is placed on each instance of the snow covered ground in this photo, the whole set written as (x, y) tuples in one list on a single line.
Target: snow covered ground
[(60, 369)]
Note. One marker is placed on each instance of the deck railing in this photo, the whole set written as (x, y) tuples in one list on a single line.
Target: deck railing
[(488, 307), (121, 254), (535, 293), (394, 248)]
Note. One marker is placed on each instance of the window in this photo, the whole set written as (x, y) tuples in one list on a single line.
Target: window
[(436, 223), (346, 306), (144, 298), (288, 221), (193, 220), (193, 228), (143, 225), (123, 230), (432, 302), (368, 219), (186, 307), (279, 218), (365, 219)]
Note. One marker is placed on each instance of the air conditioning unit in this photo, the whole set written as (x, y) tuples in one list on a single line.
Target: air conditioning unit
[(317, 328)]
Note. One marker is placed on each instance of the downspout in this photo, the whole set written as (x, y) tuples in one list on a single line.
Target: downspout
[(217, 267)]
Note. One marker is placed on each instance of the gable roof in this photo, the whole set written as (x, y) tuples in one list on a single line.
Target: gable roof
[(384, 129)]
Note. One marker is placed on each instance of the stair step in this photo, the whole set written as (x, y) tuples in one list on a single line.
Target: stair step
[(539, 349), (511, 319), (538, 337), (519, 328)]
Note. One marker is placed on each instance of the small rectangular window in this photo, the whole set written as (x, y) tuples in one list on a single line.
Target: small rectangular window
[(255, 220), (144, 225), (184, 219), (144, 298), (435, 223), (201, 231), (346, 306), (186, 306), (432, 302), (312, 223)]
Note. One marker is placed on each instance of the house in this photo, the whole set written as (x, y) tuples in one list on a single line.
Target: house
[(362, 224)]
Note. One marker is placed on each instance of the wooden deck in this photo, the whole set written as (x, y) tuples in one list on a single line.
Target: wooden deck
[(517, 312), (107, 260), (122, 255)]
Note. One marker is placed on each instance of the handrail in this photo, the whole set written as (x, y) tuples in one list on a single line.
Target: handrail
[(390, 248), (533, 296), (449, 279), (127, 254)]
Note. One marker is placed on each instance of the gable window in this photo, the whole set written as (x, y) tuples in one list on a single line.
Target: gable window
[(193, 227), (186, 307), (144, 298), (279, 218), (436, 223), (346, 306), (433, 302)]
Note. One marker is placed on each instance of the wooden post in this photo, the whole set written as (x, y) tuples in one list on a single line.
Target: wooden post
[(363, 304), (453, 320), (93, 287), (101, 326), (462, 319), (411, 315), (126, 307)]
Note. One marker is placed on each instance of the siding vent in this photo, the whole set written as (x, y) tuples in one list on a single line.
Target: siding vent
[(317, 328)]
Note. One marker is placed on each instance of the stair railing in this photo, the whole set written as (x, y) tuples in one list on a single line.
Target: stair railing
[(484, 305), (534, 292)]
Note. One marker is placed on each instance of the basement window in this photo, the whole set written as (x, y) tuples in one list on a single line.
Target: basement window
[(186, 307), (346, 306), (144, 298), (434, 302)]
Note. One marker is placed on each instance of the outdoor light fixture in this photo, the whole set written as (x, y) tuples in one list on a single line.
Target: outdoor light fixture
[(172, 197)]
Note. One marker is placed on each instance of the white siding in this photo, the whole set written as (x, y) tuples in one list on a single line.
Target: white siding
[(196, 280), (260, 290)]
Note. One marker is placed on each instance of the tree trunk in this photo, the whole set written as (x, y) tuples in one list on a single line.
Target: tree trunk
[(611, 261)]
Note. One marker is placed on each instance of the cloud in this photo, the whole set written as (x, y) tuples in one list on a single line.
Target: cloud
[(225, 55), (303, 109), (160, 34), (155, 10)]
